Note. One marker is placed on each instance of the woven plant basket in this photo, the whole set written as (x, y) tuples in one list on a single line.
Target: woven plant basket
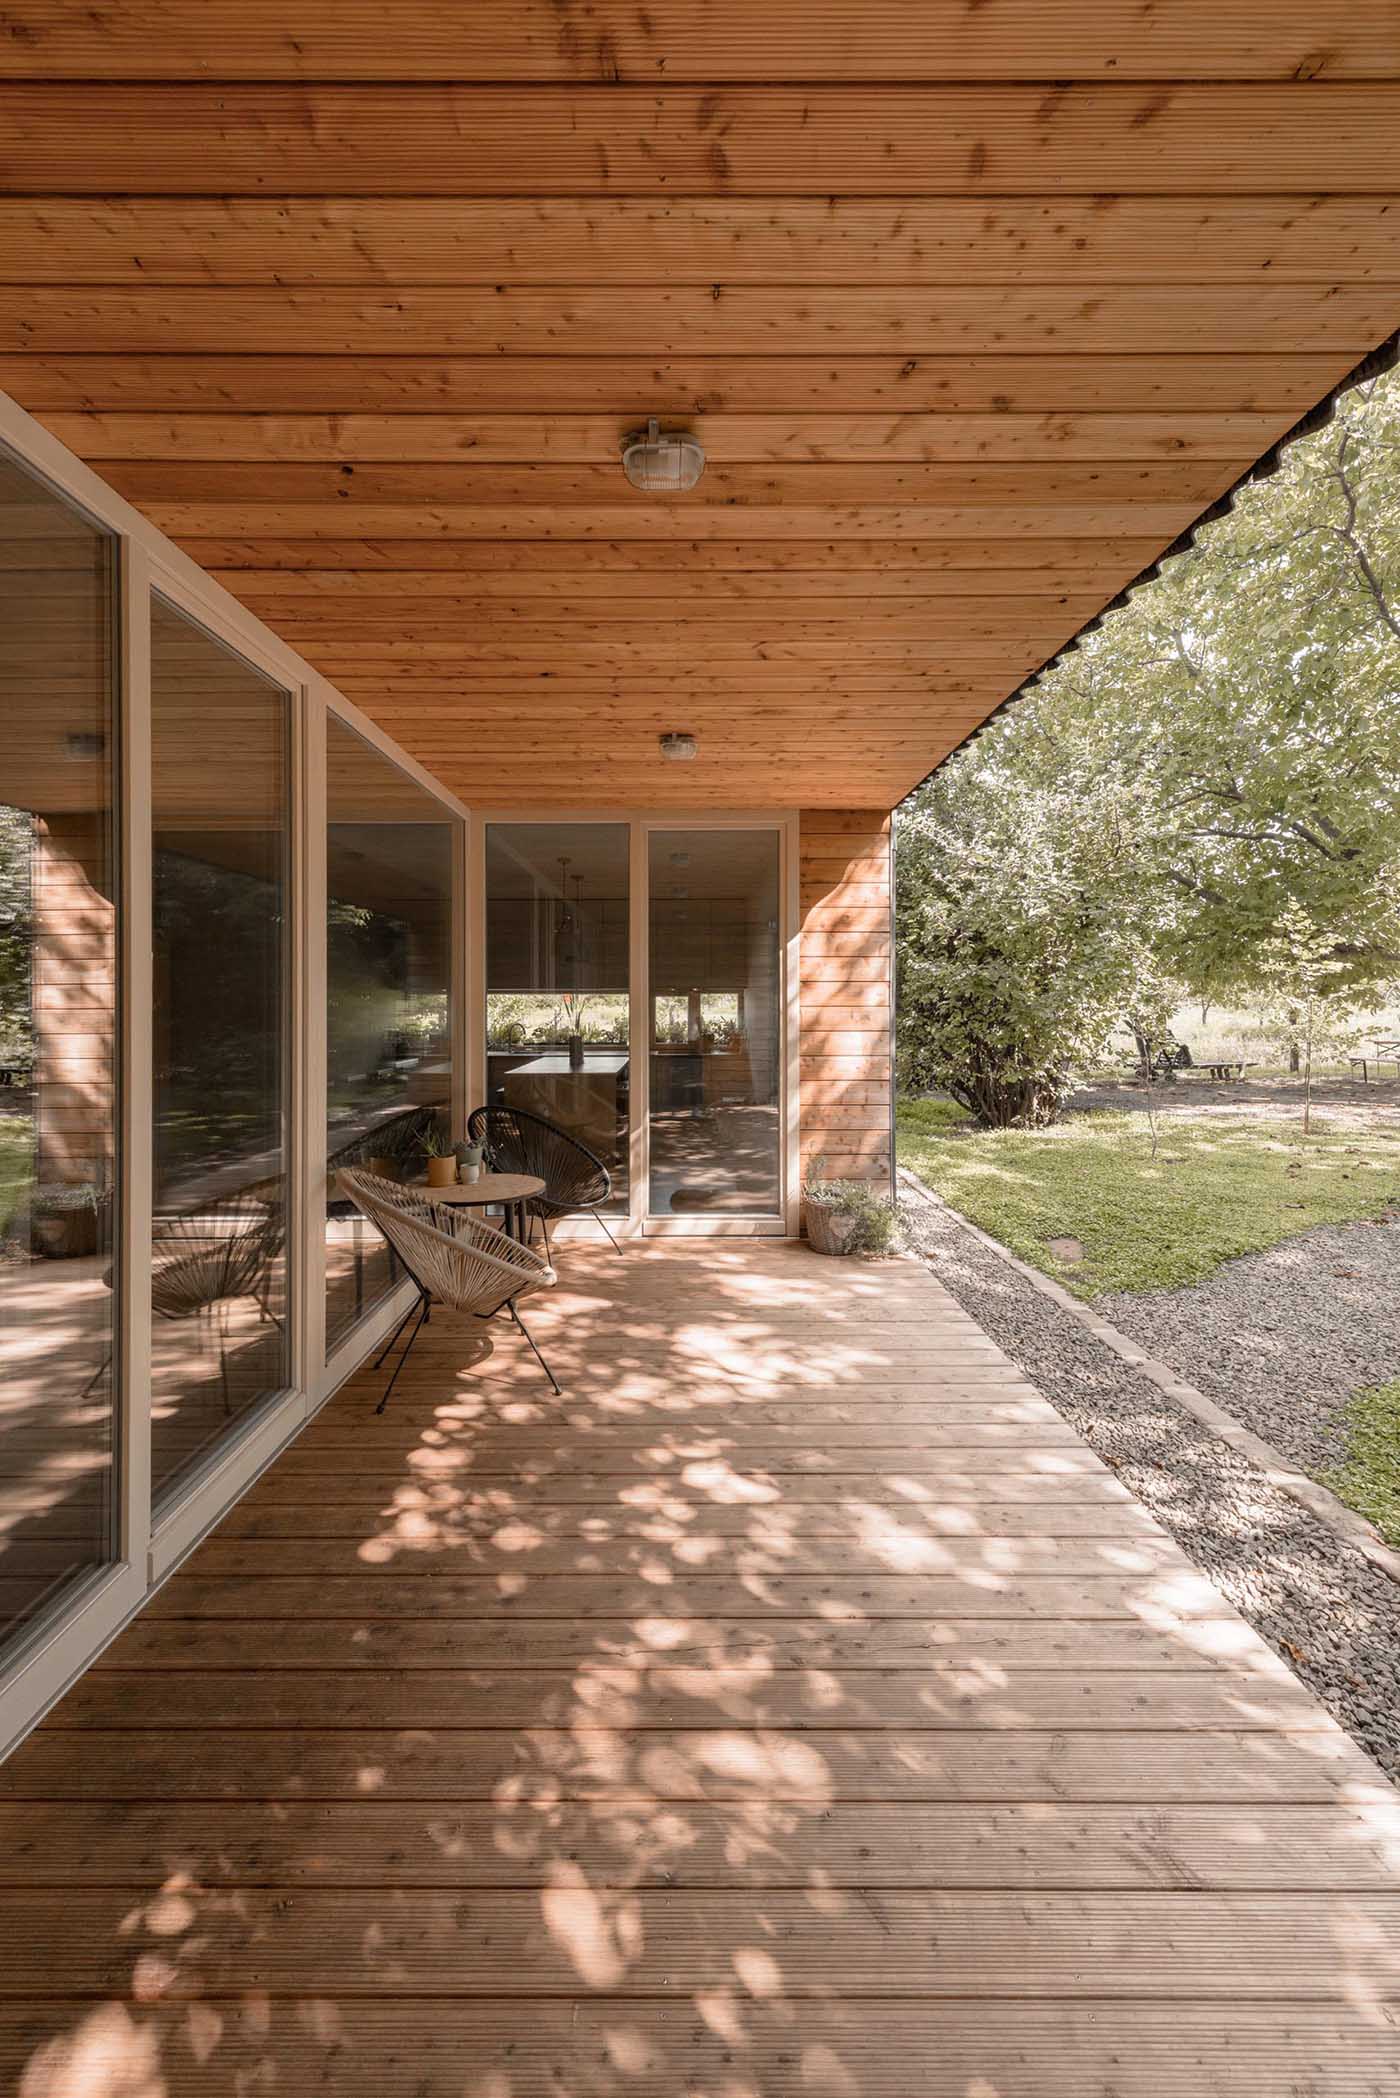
[(829, 1230)]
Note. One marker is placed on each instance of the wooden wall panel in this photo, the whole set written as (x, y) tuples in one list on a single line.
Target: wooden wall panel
[(846, 993)]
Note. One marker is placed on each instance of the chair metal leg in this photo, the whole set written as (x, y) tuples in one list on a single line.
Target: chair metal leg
[(548, 1249), (382, 1357), (537, 1355), (221, 1325), (98, 1374), (408, 1350), (608, 1235)]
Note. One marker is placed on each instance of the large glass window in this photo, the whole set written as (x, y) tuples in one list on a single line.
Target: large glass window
[(716, 1135), (557, 1003), (220, 738), (388, 986), (58, 1003)]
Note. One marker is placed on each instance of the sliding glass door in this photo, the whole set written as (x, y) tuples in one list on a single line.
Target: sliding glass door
[(221, 1041), (390, 849), (58, 1065), (634, 994), (715, 1016), (558, 1004)]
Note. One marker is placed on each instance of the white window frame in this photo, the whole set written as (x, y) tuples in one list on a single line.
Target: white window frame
[(39, 1666), (637, 1222)]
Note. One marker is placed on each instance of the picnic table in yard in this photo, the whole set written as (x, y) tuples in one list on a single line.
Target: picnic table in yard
[(1176, 1056), (1385, 1052)]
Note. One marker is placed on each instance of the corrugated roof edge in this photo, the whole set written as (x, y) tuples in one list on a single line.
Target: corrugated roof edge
[(1385, 358)]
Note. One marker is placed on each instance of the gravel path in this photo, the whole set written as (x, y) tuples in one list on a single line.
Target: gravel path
[(1282, 1339), (1333, 1617)]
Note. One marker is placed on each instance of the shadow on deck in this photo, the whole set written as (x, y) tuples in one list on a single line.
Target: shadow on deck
[(795, 1707)]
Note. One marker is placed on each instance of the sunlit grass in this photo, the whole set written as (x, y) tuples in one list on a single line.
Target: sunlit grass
[(16, 1165), (1368, 1478), (1147, 1219)]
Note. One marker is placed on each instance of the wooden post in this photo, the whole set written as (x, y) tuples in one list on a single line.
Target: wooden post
[(846, 979)]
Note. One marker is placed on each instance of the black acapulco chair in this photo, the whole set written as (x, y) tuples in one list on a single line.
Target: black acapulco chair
[(398, 1141), (453, 1258), (206, 1257), (576, 1182)]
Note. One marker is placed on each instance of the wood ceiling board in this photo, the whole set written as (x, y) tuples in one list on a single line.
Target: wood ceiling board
[(394, 140), (333, 654), (888, 522), (1262, 379), (939, 622), (700, 40), (948, 439), (715, 590), (728, 321), (312, 562), (724, 488), (434, 241)]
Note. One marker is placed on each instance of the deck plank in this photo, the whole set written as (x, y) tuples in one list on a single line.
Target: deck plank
[(373, 1843), (795, 1707), (343, 2047)]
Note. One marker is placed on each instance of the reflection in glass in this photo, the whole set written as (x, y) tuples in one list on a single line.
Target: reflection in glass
[(557, 1001), (388, 1017), (58, 993), (715, 1022), (219, 783)]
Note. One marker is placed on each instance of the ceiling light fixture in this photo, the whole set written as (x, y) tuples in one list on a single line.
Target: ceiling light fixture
[(662, 462), (677, 747)]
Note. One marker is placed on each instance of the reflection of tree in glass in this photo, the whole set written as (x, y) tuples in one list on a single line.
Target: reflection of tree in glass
[(515, 1019), (16, 933)]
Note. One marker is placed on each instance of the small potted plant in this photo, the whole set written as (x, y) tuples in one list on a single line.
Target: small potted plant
[(63, 1220), (846, 1216), (442, 1160), (468, 1158)]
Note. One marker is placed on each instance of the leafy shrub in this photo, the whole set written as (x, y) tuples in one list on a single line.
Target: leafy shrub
[(877, 1218)]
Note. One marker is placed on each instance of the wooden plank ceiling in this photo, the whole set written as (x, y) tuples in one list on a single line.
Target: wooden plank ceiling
[(975, 307)]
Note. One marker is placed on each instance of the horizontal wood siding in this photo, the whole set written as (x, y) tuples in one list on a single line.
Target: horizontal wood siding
[(847, 979)]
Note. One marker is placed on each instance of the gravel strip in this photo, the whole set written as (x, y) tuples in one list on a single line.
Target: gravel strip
[(1333, 1617), (1283, 1338)]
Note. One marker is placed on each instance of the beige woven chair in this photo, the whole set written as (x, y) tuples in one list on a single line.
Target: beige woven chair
[(453, 1258)]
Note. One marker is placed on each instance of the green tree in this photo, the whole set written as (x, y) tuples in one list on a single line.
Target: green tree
[(1307, 1000), (1234, 730), (16, 932), (1255, 684), (1026, 917)]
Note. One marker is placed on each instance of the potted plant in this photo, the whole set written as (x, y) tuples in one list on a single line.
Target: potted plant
[(846, 1216), (442, 1160), (468, 1158), (63, 1220)]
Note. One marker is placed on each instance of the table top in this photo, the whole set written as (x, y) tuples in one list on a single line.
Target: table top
[(491, 1187), (608, 1061)]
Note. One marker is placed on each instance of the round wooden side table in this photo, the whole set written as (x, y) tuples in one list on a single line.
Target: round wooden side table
[(507, 1191)]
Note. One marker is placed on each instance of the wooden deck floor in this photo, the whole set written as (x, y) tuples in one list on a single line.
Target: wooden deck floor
[(796, 1710)]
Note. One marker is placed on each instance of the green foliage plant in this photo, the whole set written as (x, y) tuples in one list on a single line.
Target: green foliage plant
[(876, 1218)]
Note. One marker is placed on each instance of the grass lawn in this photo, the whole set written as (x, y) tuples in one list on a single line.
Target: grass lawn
[(1215, 1189), (16, 1156), (1369, 1478)]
